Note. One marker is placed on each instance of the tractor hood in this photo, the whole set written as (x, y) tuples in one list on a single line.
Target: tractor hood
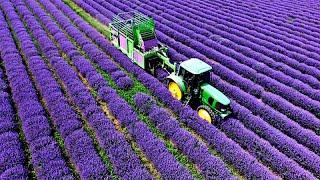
[(209, 90)]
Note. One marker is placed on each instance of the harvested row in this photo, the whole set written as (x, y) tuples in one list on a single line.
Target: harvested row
[(94, 115)]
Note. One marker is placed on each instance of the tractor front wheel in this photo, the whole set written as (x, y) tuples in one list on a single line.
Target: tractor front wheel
[(175, 90), (206, 113)]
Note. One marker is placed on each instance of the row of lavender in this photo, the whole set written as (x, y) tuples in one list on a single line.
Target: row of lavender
[(306, 10), (288, 163), (315, 82), (316, 169), (283, 19), (149, 82), (258, 42), (58, 108), (274, 98), (299, 172), (34, 121), (78, 143), (300, 116), (256, 30), (12, 156), (258, 69)]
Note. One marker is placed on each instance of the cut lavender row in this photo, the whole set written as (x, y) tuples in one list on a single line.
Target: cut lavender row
[(154, 148), (95, 54)]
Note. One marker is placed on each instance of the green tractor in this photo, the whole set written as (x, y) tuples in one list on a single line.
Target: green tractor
[(189, 83), (134, 34)]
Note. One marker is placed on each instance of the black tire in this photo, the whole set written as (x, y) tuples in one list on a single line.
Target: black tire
[(210, 111)]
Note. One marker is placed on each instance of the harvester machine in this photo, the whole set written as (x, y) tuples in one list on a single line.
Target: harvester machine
[(134, 34)]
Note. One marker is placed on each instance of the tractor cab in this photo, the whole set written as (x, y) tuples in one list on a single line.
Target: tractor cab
[(194, 72), (189, 84)]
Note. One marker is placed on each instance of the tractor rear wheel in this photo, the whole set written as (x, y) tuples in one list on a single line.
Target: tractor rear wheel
[(175, 90), (206, 113)]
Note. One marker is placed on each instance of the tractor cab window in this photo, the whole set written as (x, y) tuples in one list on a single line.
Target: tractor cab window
[(185, 74), (188, 77), (210, 101), (222, 108), (205, 76)]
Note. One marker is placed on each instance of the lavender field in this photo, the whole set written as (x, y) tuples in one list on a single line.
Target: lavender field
[(72, 106)]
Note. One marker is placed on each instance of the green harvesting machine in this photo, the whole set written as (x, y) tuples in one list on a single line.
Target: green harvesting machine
[(134, 34)]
